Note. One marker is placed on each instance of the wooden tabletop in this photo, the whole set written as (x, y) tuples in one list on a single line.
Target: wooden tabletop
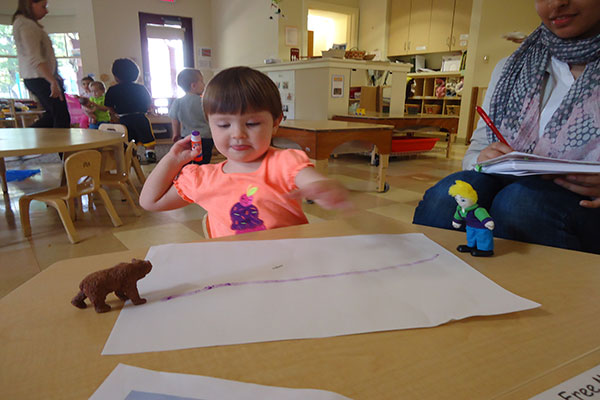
[(328, 125), (383, 116), (25, 141), (51, 349)]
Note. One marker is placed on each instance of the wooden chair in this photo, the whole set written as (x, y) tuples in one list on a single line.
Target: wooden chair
[(78, 166), (120, 181), (371, 98), (3, 176), (109, 162), (206, 226), (477, 96)]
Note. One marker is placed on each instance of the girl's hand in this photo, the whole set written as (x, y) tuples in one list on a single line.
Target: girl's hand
[(327, 193), (182, 152), (494, 150), (583, 184)]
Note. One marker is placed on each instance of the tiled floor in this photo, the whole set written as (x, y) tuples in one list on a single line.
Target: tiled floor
[(21, 258)]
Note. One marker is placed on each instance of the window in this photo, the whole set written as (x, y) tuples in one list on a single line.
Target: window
[(68, 57), (10, 82)]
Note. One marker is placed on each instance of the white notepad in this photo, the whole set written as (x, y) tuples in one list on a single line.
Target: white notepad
[(521, 164)]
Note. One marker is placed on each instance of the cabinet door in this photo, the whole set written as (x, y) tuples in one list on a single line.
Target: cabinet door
[(440, 32), (399, 23), (420, 20), (461, 24)]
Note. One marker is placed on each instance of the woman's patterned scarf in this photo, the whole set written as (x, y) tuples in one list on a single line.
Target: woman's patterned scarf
[(573, 131)]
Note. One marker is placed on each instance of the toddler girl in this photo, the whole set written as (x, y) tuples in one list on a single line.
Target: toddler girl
[(257, 186)]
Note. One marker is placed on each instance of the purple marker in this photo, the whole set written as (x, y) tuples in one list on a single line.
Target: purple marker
[(197, 144)]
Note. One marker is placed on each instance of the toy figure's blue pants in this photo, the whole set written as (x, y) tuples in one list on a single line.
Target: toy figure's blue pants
[(480, 239), (528, 209)]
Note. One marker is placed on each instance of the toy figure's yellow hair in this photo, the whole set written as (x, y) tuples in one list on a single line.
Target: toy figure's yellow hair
[(463, 189)]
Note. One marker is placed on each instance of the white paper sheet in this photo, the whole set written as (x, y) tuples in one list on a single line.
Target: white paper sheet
[(132, 383), (207, 294)]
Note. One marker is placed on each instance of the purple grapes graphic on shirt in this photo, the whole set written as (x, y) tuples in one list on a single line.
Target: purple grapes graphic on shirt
[(244, 214)]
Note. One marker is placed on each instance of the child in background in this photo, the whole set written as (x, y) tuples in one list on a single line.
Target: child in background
[(258, 186), (85, 85), (84, 121), (130, 101), (186, 112), (101, 112)]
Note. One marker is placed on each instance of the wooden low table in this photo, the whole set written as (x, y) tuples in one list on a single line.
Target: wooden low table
[(26, 141), (319, 138), (407, 121), (51, 350)]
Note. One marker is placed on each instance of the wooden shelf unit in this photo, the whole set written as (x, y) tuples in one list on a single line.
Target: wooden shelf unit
[(425, 88)]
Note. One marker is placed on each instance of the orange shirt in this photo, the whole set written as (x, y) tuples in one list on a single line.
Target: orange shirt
[(246, 202)]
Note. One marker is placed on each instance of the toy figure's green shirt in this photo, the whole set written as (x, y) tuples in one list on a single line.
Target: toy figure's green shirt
[(474, 216)]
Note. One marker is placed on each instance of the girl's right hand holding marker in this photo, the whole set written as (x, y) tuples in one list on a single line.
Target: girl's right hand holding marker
[(181, 152)]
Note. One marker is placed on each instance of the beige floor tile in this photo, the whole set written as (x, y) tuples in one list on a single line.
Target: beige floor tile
[(400, 195), (398, 211)]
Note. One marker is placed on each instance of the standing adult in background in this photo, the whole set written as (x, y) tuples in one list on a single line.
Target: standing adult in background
[(545, 100), (37, 64)]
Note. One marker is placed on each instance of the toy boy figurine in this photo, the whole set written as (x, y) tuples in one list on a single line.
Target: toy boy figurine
[(480, 240)]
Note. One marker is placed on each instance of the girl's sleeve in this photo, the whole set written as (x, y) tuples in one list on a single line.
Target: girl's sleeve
[(291, 162), (188, 182)]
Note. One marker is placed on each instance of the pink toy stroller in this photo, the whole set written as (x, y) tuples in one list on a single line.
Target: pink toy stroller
[(78, 117)]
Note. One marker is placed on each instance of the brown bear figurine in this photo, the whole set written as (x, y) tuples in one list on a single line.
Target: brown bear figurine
[(121, 279)]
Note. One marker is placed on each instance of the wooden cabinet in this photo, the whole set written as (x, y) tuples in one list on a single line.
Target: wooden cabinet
[(428, 100), (460, 24), (440, 28), (428, 26), (418, 30), (399, 21)]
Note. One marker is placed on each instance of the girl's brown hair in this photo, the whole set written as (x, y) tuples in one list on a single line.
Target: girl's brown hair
[(239, 90), (24, 9)]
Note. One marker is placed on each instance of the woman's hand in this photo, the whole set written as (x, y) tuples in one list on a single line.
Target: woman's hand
[(583, 184), (494, 150), (55, 90)]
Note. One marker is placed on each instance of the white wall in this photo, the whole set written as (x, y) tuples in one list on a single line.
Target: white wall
[(242, 33), (293, 17)]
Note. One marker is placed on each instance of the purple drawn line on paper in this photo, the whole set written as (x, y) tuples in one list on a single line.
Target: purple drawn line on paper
[(303, 278)]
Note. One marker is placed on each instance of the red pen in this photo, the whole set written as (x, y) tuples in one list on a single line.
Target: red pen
[(489, 123)]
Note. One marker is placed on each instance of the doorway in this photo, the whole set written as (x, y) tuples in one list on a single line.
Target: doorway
[(167, 48), (329, 29), (331, 26)]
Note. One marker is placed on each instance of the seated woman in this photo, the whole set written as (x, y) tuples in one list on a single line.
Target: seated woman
[(545, 99)]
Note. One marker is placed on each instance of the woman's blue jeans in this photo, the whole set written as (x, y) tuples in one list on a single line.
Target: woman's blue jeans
[(528, 209)]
